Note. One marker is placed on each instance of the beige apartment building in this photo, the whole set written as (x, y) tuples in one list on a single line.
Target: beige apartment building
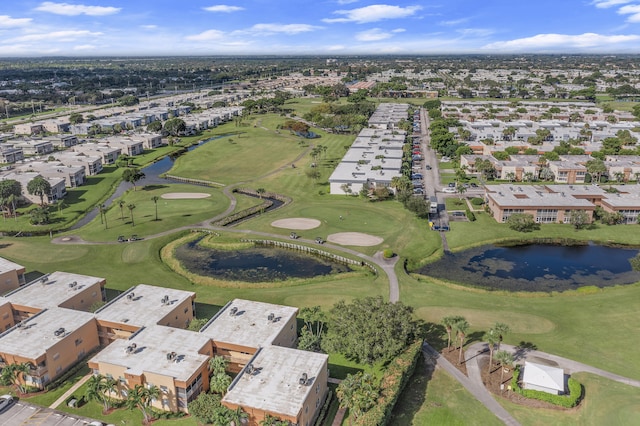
[(140, 338), (11, 276)]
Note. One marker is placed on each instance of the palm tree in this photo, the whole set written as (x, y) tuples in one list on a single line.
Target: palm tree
[(131, 207), (9, 375), (237, 416), (21, 372), (218, 365), (448, 323), (260, 192), (155, 199), (505, 359), (461, 327), (121, 204), (357, 393), (502, 329), (491, 337), (94, 390), (39, 186), (103, 213), (461, 189), (141, 397)]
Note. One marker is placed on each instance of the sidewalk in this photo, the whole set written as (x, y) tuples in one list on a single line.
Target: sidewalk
[(68, 393)]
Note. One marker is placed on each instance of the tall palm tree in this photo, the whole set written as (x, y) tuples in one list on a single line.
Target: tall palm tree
[(218, 364), (461, 327), (9, 375), (141, 397), (237, 416), (94, 390), (260, 192), (448, 323), (506, 360), (121, 204), (491, 337), (155, 199), (131, 207), (219, 383), (22, 370), (357, 393), (502, 329)]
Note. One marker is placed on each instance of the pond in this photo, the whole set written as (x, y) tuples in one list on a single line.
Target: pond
[(537, 267), (258, 264)]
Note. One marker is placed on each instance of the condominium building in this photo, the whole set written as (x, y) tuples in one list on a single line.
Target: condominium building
[(11, 276)]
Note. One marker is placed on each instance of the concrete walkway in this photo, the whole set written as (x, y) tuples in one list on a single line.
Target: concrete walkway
[(68, 393), (570, 366), (473, 384)]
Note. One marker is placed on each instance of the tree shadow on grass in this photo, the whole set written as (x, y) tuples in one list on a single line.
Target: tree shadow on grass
[(153, 187), (414, 394)]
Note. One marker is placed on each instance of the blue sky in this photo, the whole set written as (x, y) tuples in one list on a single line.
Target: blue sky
[(325, 27)]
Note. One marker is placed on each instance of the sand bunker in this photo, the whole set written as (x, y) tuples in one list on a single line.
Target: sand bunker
[(354, 239), (184, 195), (299, 223)]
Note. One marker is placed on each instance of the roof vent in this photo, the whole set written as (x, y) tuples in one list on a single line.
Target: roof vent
[(131, 295), (131, 348), (73, 284), (249, 369), (59, 332), (171, 356), (271, 317), (165, 300), (303, 379), (44, 280), (233, 311)]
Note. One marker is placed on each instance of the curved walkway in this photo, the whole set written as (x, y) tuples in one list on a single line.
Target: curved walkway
[(570, 366)]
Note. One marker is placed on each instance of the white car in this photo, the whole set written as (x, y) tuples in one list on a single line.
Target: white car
[(5, 402), (449, 190)]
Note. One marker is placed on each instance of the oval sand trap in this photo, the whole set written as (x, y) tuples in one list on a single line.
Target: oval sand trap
[(184, 195), (300, 223), (354, 239)]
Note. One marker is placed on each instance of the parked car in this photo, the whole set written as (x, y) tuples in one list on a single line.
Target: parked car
[(135, 237), (449, 190), (293, 236), (428, 167), (319, 240), (466, 185), (416, 176), (474, 185), (418, 191), (5, 402), (121, 239), (451, 185)]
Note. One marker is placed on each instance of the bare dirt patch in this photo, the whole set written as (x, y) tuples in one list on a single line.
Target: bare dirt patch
[(184, 195), (299, 223), (453, 356), (355, 239)]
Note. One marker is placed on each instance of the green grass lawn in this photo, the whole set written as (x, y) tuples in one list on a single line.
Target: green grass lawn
[(172, 213), (438, 399), (605, 403)]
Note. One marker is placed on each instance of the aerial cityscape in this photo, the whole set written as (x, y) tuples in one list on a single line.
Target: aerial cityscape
[(361, 214)]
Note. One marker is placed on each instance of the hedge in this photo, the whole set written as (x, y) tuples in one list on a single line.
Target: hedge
[(325, 409), (566, 401), (395, 378)]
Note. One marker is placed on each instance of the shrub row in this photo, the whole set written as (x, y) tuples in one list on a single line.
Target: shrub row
[(470, 215), (325, 409), (566, 401), (395, 378)]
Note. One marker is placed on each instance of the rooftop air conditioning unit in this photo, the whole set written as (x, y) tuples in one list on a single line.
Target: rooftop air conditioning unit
[(233, 311), (271, 317), (303, 379), (165, 300), (59, 332), (130, 296), (249, 368)]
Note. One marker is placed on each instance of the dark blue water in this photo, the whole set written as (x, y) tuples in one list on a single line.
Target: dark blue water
[(537, 267), (258, 264)]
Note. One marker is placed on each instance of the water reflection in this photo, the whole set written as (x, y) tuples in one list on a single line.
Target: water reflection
[(537, 267), (258, 264)]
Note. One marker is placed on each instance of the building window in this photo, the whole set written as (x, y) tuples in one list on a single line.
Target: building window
[(186, 310), (78, 342), (318, 388), (317, 402), (164, 389), (547, 216), (56, 356)]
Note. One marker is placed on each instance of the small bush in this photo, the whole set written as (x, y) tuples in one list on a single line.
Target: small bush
[(477, 201), (387, 253)]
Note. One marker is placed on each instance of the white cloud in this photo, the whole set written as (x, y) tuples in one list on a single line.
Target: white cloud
[(453, 22), (633, 10), (223, 8), (605, 4), (266, 29), (57, 36), (563, 42), (149, 27), (84, 47), (76, 9), (7, 21), (476, 32), (398, 30), (346, 1), (208, 35), (373, 13), (374, 34)]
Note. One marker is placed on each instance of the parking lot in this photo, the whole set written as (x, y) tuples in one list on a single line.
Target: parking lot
[(22, 414)]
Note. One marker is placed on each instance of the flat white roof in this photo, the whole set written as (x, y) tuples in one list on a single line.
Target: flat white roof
[(532, 196), (249, 326), (152, 345), (36, 335), (543, 376), (7, 265), (274, 385), (51, 290), (145, 307)]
